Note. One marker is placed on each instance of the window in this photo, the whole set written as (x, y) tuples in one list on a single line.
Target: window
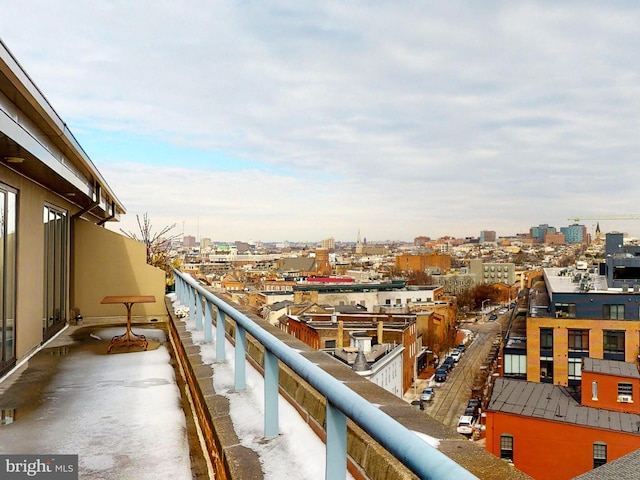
[(329, 344), (599, 454), (565, 310), (625, 391), (546, 369), (575, 368), (594, 390), (515, 365), (613, 341), (506, 447), (8, 243), (546, 338), (578, 340), (55, 270), (614, 312)]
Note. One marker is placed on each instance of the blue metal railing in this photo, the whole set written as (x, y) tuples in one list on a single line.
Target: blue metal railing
[(341, 402)]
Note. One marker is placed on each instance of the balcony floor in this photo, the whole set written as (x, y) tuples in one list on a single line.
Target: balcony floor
[(122, 412)]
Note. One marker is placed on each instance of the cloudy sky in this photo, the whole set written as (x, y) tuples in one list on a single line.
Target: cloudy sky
[(289, 120)]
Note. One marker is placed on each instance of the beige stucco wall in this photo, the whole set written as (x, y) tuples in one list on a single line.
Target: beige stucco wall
[(30, 270), (30, 257), (107, 263)]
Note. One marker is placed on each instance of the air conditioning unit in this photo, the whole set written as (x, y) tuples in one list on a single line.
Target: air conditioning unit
[(625, 399)]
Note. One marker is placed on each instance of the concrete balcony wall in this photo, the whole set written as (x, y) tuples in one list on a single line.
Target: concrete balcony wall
[(107, 263)]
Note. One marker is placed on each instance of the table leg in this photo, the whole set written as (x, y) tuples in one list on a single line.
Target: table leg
[(128, 338)]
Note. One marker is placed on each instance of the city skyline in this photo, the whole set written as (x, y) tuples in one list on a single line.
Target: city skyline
[(284, 121)]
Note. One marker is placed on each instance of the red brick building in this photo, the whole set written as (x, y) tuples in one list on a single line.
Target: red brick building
[(327, 331), (549, 434)]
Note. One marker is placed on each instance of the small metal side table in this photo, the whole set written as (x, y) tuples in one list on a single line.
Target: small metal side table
[(128, 338)]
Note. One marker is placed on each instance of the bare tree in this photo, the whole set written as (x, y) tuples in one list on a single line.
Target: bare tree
[(158, 244)]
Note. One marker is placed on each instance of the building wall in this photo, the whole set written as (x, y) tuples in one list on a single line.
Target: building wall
[(541, 448), (607, 392), (575, 233), (421, 263), (31, 199), (492, 272), (388, 373), (555, 238), (106, 263), (560, 328)]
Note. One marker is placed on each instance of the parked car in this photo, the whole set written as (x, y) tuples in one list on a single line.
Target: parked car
[(471, 412), (493, 317), (502, 311), (465, 425), (427, 394), (462, 347), (474, 402), (448, 363), (441, 375), (456, 354)]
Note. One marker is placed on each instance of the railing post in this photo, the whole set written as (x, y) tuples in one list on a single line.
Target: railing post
[(271, 427), (179, 288), (336, 427), (208, 321), (241, 357), (220, 335), (192, 304), (198, 311)]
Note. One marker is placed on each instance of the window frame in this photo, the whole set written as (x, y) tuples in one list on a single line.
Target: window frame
[(613, 311), (506, 447), (546, 334), (574, 368), (9, 217), (613, 334), (625, 388), (565, 310), (599, 454), (583, 335)]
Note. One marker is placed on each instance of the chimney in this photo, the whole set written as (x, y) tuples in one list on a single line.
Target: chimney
[(380, 330), (340, 334), (360, 364)]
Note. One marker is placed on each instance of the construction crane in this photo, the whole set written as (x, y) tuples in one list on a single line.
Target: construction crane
[(631, 216)]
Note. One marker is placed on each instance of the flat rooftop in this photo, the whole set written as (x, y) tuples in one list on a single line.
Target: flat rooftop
[(570, 280)]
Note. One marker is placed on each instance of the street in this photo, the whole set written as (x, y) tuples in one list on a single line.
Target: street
[(451, 397)]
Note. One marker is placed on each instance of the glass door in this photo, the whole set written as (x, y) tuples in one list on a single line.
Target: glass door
[(55, 270), (8, 243)]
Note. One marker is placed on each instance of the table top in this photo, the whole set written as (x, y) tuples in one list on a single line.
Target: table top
[(129, 299)]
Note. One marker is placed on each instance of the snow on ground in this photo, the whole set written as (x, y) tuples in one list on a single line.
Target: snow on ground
[(121, 413), (298, 453)]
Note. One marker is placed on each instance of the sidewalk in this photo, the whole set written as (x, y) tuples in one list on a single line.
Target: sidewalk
[(121, 413)]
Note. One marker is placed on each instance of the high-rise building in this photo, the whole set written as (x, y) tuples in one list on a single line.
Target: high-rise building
[(575, 233), (189, 241), (328, 243), (487, 236), (538, 233)]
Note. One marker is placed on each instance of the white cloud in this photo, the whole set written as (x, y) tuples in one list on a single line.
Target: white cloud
[(401, 119)]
